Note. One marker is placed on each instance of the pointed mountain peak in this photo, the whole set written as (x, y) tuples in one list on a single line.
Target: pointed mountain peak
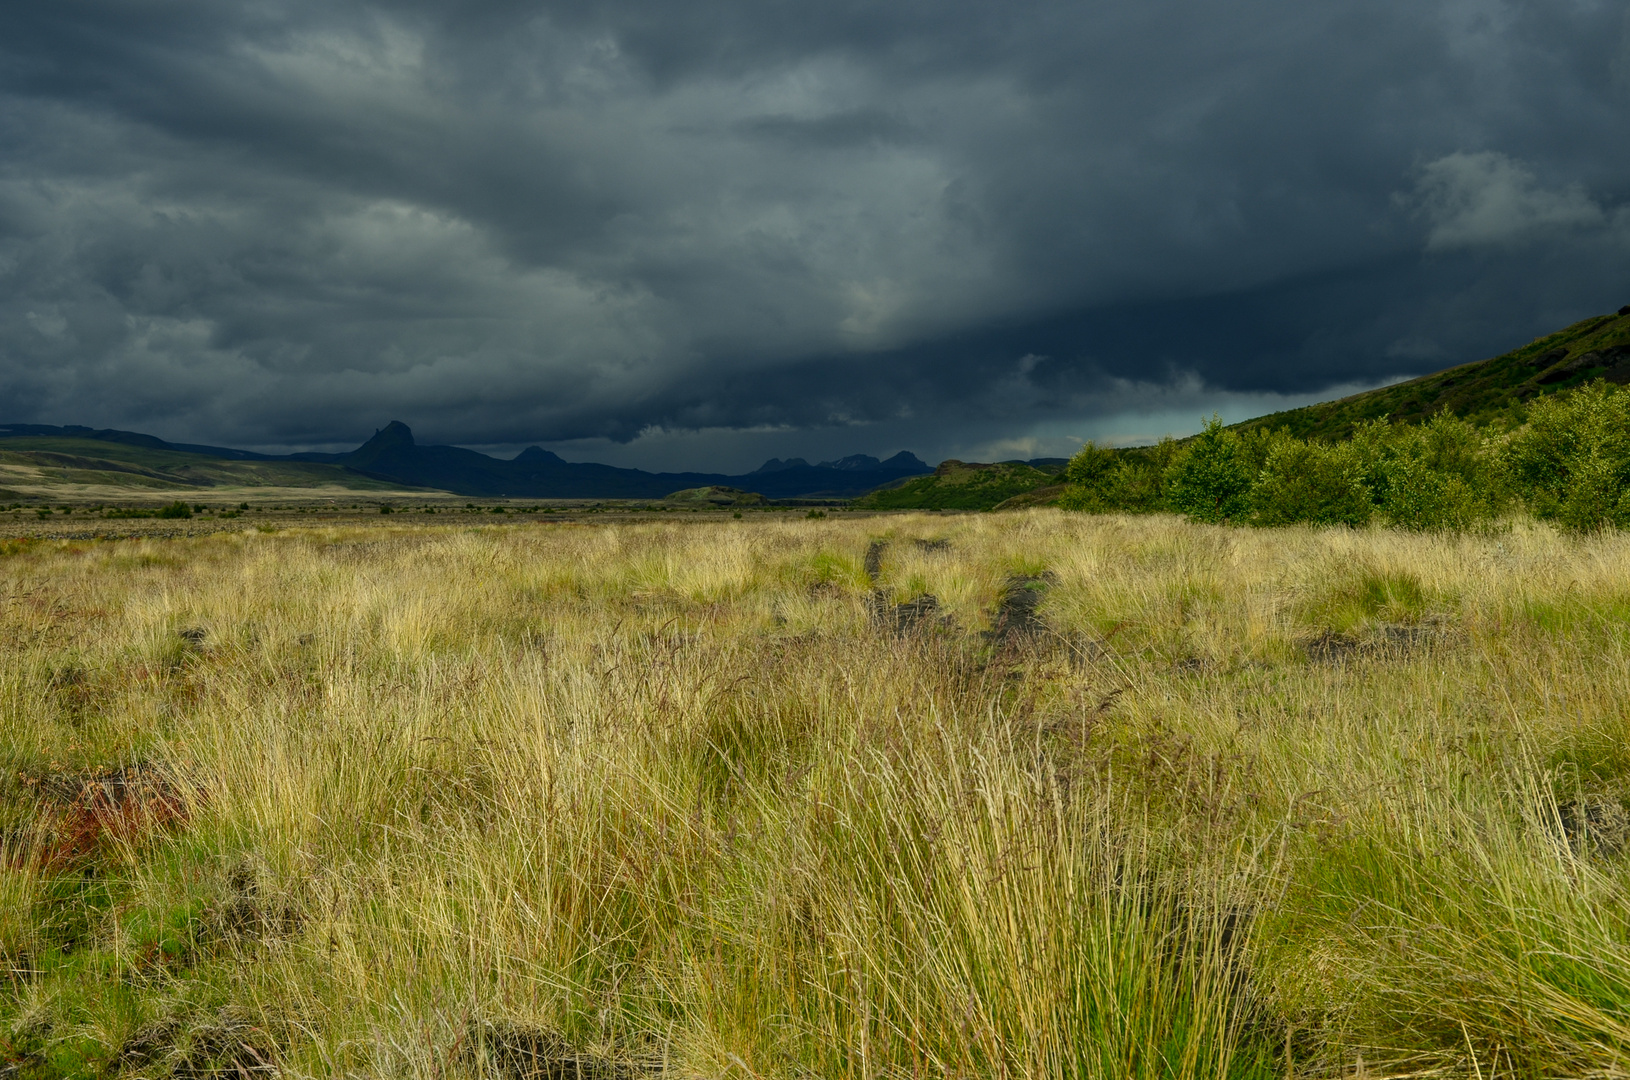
[(906, 461), (392, 434), (392, 440), (775, 464)]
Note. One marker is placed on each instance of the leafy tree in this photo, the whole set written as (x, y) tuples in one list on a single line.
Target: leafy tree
[(1211, 479)]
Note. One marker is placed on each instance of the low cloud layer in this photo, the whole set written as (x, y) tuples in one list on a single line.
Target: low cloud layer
[(698, 235)]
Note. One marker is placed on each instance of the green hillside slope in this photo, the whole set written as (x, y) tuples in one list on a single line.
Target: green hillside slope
[(1485, 392), (959, 485), (49, 464), (1494, 392)]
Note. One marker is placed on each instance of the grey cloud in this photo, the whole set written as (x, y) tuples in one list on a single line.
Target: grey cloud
[(1487, 198), (784, 224), (856, 127)]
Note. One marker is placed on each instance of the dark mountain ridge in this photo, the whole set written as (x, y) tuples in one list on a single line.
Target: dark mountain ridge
[(904, 463), (393, 456), (136, 438)]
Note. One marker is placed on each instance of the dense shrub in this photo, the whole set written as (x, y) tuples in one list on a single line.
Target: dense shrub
[(174, 510), (1131, 481), (1211, 479), (1443, 474), (1311, 482), (1571, 463), (1091, 467)]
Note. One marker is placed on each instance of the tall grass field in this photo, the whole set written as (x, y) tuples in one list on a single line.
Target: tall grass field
[(1025, 795)]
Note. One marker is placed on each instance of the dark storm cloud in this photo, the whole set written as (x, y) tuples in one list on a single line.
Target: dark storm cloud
[(950, 224), (857, 128)]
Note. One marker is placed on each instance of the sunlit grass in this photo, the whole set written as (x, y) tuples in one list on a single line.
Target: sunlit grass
[(672, 797)]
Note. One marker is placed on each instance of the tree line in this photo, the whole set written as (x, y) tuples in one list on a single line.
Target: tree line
[(1569, 463)]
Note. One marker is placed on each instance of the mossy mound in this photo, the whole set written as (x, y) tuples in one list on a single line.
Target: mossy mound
[(959, 485), (716, 496)]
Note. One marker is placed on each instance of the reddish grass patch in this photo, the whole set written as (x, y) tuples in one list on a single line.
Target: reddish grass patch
[(124, 806)]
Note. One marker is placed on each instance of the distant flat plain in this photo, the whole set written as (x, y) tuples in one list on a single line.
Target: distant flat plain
[(91, 520)]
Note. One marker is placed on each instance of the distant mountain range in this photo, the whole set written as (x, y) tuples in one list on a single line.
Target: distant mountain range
[(852, 463), (392, 456), (536, 473)]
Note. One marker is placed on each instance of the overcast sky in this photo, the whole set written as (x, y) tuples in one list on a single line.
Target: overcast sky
[(700, 234)]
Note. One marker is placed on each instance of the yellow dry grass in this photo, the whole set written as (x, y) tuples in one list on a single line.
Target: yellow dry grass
[(552, 800)]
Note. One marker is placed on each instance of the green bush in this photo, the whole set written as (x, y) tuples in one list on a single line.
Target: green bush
[(1091, 466), (1571, 463), (174, 510), (1443, 474), (1310, 482), (1133, 480), (1089, 478), (1211, 479)]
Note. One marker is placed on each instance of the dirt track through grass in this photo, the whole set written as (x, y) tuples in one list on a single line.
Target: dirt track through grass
[(627, 799)]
